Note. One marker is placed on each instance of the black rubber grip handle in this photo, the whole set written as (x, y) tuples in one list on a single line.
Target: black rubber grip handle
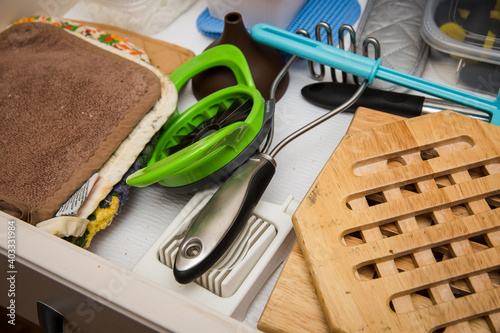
[(329, 95), (220, 221)]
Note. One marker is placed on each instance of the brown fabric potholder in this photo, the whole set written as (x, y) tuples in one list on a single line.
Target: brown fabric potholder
[(65, 106)]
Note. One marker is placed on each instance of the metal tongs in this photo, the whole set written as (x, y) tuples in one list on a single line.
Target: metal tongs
[(218, 224)]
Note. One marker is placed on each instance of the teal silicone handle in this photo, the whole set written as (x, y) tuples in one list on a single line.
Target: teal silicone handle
[(367, 68)]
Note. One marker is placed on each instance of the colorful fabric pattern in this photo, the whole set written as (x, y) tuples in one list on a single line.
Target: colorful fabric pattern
[(97, 34)]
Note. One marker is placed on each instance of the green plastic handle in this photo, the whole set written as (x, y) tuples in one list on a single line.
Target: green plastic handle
[(214, 151), (222, 55)]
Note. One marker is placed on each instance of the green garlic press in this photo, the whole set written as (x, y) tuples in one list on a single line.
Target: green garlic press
[(204, 144)]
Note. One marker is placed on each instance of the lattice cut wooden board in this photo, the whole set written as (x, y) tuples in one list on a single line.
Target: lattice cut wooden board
[(401, 229)]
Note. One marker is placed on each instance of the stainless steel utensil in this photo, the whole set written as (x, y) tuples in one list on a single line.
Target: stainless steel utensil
[(221, 220)]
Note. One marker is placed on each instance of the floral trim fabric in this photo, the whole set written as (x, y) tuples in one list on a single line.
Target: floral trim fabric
[(112, 204), (94, 33)]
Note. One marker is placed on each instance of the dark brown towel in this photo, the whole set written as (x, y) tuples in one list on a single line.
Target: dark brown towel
[(65, 106)]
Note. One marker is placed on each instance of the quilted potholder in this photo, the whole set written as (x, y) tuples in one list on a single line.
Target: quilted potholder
[(396, 25)]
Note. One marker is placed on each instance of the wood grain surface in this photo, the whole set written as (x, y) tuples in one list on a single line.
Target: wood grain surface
[(413, 215), (294, 305)]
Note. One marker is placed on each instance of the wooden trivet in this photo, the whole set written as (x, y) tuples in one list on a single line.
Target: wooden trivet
[(400, 231)]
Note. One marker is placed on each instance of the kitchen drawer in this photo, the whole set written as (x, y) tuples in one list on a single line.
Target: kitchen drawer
[(82, 311), (93, 294)]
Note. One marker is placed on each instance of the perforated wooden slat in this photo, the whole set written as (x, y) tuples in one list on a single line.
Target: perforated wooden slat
[(482, 281), (290, 307), (382, 183), (386, 268), (440, 293), (479, 282)]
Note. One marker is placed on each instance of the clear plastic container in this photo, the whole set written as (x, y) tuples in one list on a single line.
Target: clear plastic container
[(143, 16), (464, 36), (279, 13)]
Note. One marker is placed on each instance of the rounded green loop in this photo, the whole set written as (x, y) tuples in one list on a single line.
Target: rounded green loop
[(222, 55), (200, 160)]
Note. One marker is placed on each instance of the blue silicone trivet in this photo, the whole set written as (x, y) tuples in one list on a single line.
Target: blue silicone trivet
[(335, 13)]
